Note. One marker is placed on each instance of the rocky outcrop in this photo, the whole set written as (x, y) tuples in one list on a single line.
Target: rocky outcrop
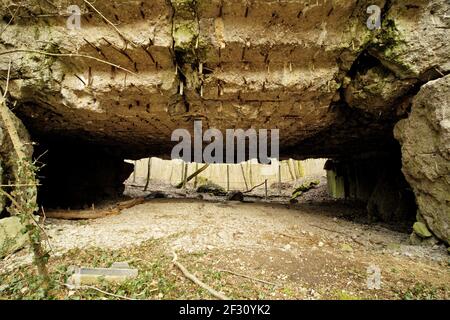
[(310, 68), (12, 237), (425, 140)]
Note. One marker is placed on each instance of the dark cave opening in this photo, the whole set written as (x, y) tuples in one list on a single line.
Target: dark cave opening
[(78, 175)]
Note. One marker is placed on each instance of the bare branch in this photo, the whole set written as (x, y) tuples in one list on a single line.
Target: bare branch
[(70, 55)]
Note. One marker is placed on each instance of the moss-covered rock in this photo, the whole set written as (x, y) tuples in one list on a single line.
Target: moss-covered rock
[(11, 236), (425, 140), (212, 188), (421, 230), (304, 188)]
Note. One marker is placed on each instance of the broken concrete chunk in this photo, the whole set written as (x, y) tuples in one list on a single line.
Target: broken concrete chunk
[(11, 236), (421, 230), (118, 273), (213, 188)]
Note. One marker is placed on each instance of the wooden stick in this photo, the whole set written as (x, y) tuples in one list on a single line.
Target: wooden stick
[(290, 170), (243, 175), (265, 188), (149, 168), (194, 279), (255, 187), (192, 176), (185, 175), (293, 168), (70, 55)]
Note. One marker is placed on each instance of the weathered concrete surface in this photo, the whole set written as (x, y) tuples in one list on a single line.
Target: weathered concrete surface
[(310, 68), (11, 236), (119, 272), (425, 140)]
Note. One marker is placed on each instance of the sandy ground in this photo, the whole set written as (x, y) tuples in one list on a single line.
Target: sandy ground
[(315, 246)]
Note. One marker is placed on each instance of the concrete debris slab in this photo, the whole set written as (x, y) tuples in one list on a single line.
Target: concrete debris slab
[(118, 273)]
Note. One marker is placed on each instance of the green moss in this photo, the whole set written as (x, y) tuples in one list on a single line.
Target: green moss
[(185, 9), (389, 47), (342, 295), (185, 35), (304, 188)]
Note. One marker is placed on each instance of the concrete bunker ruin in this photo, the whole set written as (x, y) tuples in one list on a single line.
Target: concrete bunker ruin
[(375, 102)]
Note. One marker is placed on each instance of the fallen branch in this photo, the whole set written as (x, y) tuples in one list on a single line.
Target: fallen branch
[(92, 214), (192, 176), (70, 55), (248, 277), (194, 279), (259, 185), (81, 214), (149, 172), (129, 203)]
